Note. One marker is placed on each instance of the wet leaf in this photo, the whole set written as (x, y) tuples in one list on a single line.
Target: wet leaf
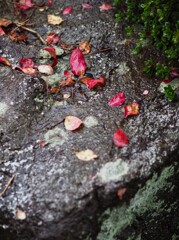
[(131, 109), (54, 20), (98, 82), (72, 123), (120, 139), (77, 62), (105, 6), (121, 192), (86, 155), (26, 63), (5, 22), (84, 47), (25, 4), (67, 10), (117, 100), (4, 61), (52, 52), (52, 38), (46, 69), (1, 32), (21, 215), (86, 5)]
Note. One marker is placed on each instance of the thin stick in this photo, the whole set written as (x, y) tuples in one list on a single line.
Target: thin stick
[(101, 50), (34, 32), (7, 185)]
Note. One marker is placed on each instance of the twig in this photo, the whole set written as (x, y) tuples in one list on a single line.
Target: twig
[(32, 31), (102, 50), (7, 185)]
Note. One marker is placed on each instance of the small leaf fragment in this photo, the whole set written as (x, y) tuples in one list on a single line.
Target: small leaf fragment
[(131, 109), (25, 4), (68, 74), (4, 22), (121, 192), (26, 63), (84, 47), (117, 100), (86, 5), (72, 123), (20, 215), (1, 32), (120, 139), (67, 10), (4, 61), (54, 20), (105, 6), (52, 38), (86, 155), (52, 52), (77, 62), (97, 82), (46, 69)]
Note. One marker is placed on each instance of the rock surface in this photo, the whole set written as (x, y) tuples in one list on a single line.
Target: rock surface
[(61, 196)]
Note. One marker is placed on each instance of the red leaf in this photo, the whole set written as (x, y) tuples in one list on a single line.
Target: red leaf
[(25, 4), (49, 3), (131, 109), (68, 74), (86, 5), (26, 63), (52, 52), (77, 62), (117, 100), (91, 83), (120, 139), (72, 123), (121, 192), (105, 6), (1, 32), (67, 10), (52, 38), (4, 61)]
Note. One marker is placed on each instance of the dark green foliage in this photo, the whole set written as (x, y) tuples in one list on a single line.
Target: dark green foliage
[(154, 20), (169, 93)]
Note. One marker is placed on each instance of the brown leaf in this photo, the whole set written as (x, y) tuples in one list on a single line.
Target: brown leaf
[(5, 22), (17, 38), (84, 47)]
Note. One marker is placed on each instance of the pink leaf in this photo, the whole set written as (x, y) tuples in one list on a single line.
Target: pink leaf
[(52, 38), (86, 5), (117, 100), (72, 123), (131, 109), (91, 83), (77, 62), (120, 139), (26, 63), (105, 6), (67, 10), (4, 61), (121, 192), (49, 3), (1, 32), (25, 4), (52, 52), (68, 74)]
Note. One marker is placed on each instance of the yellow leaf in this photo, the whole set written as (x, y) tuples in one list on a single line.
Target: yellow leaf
[(55, 20), (86, 155)]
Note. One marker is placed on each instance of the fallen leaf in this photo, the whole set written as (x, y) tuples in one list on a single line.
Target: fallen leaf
[(72, 123), (42, 143), (145, 92), (68, 74), (52, 38), (85, 80), (86, 155), (105, 6), (86, 5), (84, 47), (54, 20), (52, 52), (121, 192), (98, 82), (67, 10), (49, 3), (46, 69), (25, 4), (131, 109), (5, 22), (21, 215), (54, 90), (31, 71), (26, 63), (16, 37), (1, 32), (77, 62), (67, 82), (120, 139), (117, 100), (4, 61), (66, 95)]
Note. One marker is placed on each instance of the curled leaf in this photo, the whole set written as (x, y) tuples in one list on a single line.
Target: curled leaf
[(4, 61), (77, 62), (98, 82), (72, 123), (131, 109), (86, 155), (117, 100), (120, 139), (84, 47), (52, 52), (67, 10), (52, 38)]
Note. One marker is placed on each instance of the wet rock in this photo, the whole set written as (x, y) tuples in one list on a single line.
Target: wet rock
[(61, 196)]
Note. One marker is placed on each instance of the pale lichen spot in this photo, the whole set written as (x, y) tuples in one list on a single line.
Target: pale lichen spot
[(90, 121), (56, 137), (122, 68), (3, 108)]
